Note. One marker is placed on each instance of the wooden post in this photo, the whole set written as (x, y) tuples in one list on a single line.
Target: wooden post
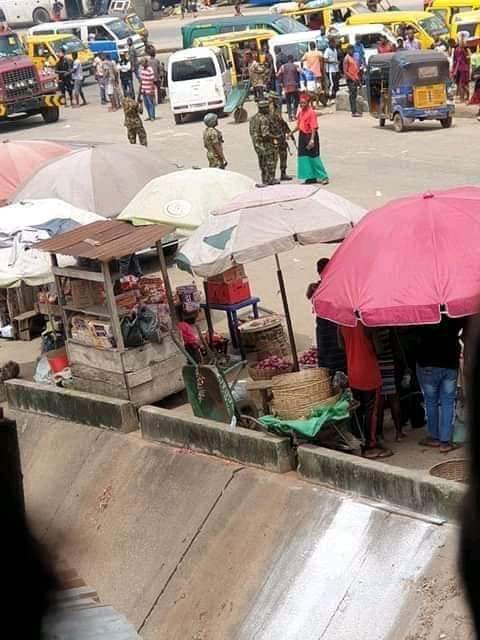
[(61, 297), (168, 288), (111, 306)]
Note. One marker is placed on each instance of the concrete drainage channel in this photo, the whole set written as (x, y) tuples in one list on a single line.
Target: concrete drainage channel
[(412, 490)]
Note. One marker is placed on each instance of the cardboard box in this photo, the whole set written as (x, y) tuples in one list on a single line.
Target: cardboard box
[(228, 292), (85, 293), (231, 275)]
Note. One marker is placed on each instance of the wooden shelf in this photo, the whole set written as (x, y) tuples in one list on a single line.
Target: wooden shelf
[(95, 310), (82, 274)]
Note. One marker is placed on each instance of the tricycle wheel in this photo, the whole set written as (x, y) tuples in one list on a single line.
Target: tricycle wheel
[(398, 123), (446, 122), (382, 122), (240, 115)]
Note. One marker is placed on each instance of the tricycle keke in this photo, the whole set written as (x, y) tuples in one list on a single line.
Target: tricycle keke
[(407, 86)]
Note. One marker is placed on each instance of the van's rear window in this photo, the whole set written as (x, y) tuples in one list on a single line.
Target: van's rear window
[(193, 69)]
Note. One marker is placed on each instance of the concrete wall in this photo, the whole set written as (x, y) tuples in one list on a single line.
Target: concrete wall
[(78, 406), (191, 547), (241, 445)]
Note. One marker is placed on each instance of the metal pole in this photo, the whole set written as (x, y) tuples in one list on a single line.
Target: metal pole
[(288, 318)]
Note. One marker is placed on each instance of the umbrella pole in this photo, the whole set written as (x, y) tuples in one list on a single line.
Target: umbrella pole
[(288, 318)]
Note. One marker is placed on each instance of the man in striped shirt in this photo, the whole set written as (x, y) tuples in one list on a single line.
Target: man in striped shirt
[(147, 88)]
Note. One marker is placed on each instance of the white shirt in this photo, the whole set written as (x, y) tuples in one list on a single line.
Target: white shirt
[(77, 71), (331, 60)]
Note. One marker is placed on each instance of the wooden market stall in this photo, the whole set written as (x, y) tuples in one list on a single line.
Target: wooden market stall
[(142, 374)]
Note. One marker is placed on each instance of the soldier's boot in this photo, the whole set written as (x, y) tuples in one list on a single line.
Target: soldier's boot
[(284, 175)]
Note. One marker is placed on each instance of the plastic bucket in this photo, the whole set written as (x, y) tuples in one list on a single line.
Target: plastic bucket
[(58, 360)]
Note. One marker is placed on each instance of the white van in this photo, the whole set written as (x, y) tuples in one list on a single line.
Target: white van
[(23, 12), (296, 44), (198, 81), (102, 35)]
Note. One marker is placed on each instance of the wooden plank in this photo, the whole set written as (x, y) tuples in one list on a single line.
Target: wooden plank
[(112, 307), (26, 315), (167, 379), (83, 274), (168, 288), (108, 359), (101, 388), (149, 353), (61, 297), (136, 378), (92, 373)]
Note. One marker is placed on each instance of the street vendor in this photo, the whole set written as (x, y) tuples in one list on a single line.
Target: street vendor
[(190, 338)]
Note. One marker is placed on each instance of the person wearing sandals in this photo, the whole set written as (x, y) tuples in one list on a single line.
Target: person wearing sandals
[(438, 357), (365, 382)]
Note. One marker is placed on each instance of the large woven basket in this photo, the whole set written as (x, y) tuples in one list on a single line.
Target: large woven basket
[(296, 394), (266, 336), (455, 469)]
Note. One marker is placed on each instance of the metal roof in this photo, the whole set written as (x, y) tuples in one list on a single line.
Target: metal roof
[(105, 240)]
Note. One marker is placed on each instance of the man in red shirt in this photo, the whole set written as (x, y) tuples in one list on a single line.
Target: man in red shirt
[(147, 88), (365, 382), (352, 76)]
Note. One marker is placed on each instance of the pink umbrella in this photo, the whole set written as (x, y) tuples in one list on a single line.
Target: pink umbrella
[(19, 159), (407, 262)]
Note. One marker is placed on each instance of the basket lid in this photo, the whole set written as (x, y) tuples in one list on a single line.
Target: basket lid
[(301, 377), (260, 324)]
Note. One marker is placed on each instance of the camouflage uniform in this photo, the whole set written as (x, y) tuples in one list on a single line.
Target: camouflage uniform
[(211, 138), (257, 73), (265, 144), (133, 122), (281, 130)]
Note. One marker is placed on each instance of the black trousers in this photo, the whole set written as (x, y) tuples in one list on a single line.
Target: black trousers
[(352, 91), (292, 103)]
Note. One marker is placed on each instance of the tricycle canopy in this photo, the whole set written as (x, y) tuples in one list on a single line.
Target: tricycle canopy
[(410, 67)]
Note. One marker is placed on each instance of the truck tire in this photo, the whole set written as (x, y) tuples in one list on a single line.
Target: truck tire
[(40, 15), (50, 114)]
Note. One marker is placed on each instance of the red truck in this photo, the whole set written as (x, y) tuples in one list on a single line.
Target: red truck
[(25, 91)]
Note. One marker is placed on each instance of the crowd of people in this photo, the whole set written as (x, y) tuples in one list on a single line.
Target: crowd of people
[(414, 371), (116, 82)]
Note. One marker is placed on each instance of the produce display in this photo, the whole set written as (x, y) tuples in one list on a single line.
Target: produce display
[(309, 358), (270, 367)]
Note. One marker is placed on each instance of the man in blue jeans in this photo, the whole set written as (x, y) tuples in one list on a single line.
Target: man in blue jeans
[(438, 356)]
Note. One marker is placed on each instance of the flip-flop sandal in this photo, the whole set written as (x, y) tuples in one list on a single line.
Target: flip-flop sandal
[(427, 442), (371, 454), (451, 447), (385, 453)]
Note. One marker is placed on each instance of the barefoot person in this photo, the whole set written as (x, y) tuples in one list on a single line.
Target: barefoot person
[(309, 165)]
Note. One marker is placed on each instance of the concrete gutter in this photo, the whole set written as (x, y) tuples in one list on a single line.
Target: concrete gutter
[(409, 489), (76, 406), (214, 438)]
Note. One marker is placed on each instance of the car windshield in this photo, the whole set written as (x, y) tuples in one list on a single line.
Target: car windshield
[(434, 26), (193, 69), (286, 24), (120, 29), (295, 49), (10, 45), (69, 45)]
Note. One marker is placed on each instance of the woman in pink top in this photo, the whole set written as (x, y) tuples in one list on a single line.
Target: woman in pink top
[(309, 165)]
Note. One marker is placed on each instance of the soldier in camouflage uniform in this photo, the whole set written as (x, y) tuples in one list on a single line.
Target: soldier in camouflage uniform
[(265, 143), (132, 110), (213, 142), (281, 132)]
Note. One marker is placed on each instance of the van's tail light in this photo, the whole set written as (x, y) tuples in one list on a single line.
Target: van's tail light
[(410, 99)]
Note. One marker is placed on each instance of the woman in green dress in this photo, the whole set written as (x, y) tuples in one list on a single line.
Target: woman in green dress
[(309, 165)]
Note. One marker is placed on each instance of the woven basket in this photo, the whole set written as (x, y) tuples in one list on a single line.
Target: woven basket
[(266, 336), (264, 374), (296, 394), (455, 469)]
